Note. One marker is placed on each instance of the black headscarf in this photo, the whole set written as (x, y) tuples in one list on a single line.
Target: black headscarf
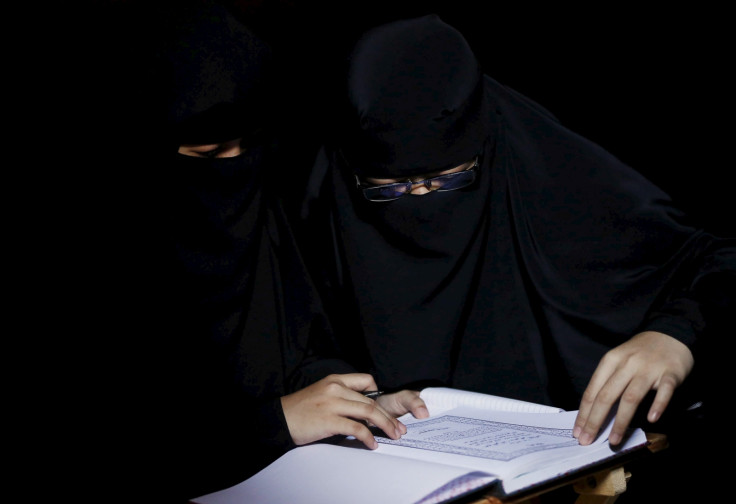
[(518, 284)]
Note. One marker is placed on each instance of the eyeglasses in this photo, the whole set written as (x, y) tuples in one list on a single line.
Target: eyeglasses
[(448, 182)]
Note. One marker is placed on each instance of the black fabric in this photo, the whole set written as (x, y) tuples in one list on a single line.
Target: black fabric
[(412, 128), (219, 308), (212, 85), (517, 285)]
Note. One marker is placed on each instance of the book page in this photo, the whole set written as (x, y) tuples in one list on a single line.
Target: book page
[(331, 474), (513, 445), (439, 459), (488, 440), (439, 399)]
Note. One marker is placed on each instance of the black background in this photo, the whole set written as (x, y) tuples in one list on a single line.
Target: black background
[(647, 85)]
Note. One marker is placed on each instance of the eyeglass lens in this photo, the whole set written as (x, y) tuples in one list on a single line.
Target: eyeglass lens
[(448, 182)]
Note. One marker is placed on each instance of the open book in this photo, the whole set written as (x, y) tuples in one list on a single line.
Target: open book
[(470, 442)]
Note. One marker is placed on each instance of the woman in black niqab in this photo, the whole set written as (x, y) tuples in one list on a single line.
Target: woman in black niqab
[(244, 349), (237, 305), (516, 285), (519, 284), (233, 291)]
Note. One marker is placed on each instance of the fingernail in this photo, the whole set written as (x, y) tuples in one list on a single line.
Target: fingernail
[(398, 433), (576, 431), (653, 416), (585, 438), (614, 438)]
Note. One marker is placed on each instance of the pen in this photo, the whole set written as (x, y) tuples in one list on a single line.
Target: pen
[(372, 394)]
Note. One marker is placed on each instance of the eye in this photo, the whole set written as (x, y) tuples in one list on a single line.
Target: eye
[(209, 151), (201, 150)]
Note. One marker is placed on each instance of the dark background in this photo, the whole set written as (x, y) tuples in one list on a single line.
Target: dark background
[(646, 85), (650, 87)]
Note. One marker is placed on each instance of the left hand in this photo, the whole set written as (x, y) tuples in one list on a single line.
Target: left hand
[(402, 402), (648, 361)]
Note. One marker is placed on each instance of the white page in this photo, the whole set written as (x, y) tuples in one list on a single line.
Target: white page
[(439, 399), (501, 439), (497, 440), (637, 438), (327, 474)]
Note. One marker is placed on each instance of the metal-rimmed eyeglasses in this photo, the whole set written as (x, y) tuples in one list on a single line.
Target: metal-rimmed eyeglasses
[(447, 182)]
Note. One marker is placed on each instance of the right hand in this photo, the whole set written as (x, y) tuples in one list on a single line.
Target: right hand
[(335, 406), (649, 361)]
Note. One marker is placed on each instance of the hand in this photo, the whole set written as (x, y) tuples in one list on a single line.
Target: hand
[(334, 405), (402, 402), (648, 361)]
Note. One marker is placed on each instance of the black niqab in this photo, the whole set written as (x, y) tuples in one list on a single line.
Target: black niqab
[(237, 299), (519, 284)]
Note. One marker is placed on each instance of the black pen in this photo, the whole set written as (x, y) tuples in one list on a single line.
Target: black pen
[(372, 394)]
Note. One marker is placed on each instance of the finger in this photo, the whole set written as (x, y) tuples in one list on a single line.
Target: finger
[(375, 415), (356, 381), (352, 404), (346, 386), (606, 397), (397, 424), (356, 405), (665, 391), (417, 406), (348, 427), (600, 377), (402, 402), (629, 403)]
